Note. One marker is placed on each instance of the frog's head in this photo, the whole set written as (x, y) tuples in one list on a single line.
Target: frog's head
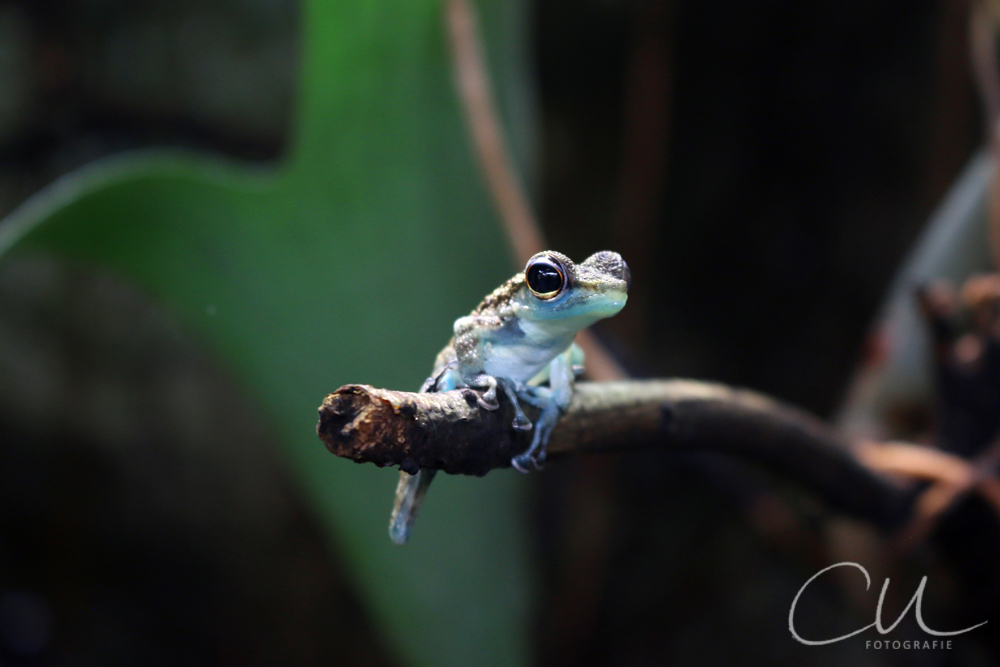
[(579, 294)]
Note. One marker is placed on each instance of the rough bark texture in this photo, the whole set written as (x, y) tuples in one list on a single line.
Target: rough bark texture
[(449, 431)]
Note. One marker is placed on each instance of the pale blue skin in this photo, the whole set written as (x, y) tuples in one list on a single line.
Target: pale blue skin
[(517, 340)]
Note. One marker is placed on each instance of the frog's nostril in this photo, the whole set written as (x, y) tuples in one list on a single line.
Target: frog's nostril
[(626, 275)]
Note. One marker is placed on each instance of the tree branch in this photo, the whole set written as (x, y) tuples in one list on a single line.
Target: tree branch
[(449, 431)]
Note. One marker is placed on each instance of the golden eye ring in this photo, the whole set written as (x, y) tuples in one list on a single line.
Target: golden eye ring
[(546, 278)]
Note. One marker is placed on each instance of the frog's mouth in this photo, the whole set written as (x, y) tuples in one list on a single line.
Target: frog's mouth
[(601, 304), (586, 302)]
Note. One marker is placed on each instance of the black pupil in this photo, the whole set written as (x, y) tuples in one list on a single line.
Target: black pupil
[(544, 278)]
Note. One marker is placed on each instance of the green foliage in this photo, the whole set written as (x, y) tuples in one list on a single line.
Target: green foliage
[(346, 264)]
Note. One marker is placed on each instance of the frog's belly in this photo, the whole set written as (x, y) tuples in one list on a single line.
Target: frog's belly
[(519, 362)]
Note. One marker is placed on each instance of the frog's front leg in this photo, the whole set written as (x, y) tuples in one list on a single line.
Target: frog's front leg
[(559, 396), (470, 355), (487, 399), (442, 379)]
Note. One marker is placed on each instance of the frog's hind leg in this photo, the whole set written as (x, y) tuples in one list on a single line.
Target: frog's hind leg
[(536, 396), (534, 457), (555, 400), (409, 495)]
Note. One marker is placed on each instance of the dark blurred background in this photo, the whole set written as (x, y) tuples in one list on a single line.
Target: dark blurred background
[(763, 167)]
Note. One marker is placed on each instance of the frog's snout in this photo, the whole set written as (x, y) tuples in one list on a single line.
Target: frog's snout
[(610, 264)]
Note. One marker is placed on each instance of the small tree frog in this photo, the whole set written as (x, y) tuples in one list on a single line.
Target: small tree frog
[(518, 340)]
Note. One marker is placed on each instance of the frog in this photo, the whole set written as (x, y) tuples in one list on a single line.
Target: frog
[(520, 341)]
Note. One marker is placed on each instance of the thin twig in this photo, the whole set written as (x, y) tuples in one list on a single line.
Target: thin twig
[(982, 36), (475, 92), (982, 42), (449, 431)]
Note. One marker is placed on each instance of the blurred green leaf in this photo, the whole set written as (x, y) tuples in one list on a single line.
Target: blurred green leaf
[(346, 264)]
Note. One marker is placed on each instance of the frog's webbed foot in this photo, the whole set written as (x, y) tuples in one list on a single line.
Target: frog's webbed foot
[(524, 463), (488, 399), (534, 457)]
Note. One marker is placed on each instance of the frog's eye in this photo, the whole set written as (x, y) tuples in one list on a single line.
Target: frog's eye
[(545, 277)]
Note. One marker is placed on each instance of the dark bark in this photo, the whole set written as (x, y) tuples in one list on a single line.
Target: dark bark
[(450, 432)]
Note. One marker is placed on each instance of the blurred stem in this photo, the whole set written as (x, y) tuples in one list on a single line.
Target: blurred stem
[(982, 42), (475, 92), (646, 145)]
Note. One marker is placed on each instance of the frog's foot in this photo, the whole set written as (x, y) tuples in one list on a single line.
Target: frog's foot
[(512, 389), (488, 399), (525, 463), (430, 384), (534, 457), (440, 380)]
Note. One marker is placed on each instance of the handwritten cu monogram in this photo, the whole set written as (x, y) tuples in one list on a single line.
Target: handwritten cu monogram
[(917, 600)]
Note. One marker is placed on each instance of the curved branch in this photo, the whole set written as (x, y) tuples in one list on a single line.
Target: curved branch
[(449, 431)]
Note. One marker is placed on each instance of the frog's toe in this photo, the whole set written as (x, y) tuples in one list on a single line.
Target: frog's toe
[(525, 463), (522, 423), (522, 463), (488, 404)]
